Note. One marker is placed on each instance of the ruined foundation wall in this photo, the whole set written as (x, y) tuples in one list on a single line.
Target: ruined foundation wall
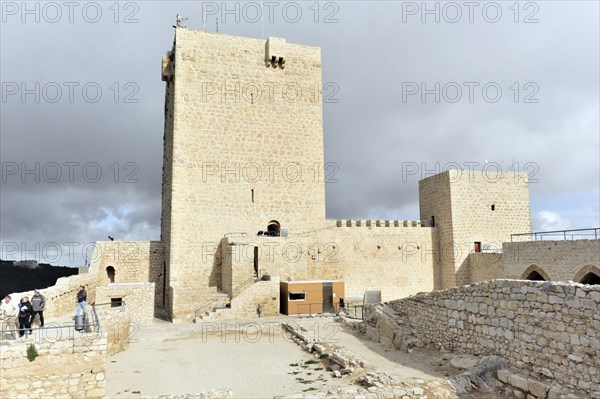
[(69, 364), (546, 330), (66, 368)]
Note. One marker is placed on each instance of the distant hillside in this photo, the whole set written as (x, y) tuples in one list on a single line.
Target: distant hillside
[(15, 278)]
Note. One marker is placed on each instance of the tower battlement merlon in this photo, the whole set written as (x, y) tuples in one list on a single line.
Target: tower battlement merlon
[(487, 175), (379, 223), (275, 52)]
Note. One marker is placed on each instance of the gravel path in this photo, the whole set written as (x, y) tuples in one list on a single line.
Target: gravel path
[(191, 358), (176, 359)]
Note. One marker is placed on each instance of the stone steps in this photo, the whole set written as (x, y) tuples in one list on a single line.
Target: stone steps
[(215, 314)]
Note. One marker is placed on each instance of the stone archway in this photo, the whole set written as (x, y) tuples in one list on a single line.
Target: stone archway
[(535, 273), (588, 274), (110, 273), (274, 228)]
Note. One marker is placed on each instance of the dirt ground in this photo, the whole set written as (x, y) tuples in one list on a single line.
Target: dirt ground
[(253, 358)]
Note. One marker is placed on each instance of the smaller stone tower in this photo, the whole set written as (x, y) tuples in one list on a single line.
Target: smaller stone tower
[(471, 211)]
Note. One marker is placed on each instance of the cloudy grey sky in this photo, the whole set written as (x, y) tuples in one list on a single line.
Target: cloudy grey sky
[(78, 165)]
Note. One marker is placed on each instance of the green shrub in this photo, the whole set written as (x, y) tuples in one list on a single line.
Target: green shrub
[(32, 352)]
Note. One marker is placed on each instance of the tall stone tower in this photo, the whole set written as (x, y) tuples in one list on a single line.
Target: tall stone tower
[(471, 211), (243, 151)]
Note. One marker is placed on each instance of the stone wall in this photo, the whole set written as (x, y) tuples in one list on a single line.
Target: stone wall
[(69, 364), (567, 260), (237, 265), (265, 293), (546, 330), (395, 259), (66, 368), (116, 323), (138, 297), (485, 266), (132, 261), (167, 174)]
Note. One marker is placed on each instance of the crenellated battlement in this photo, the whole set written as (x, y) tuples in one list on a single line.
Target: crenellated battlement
[(379, 223)]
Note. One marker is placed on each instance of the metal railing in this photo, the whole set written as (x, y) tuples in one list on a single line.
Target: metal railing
[(574, 234), (351, 311), (42, 333), (242, 286), (203, 308), (355, 311), (121, 303)]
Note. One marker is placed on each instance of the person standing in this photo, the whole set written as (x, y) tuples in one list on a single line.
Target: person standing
[(259, 309), (37, 302), (81, 300), (342, 306), (25, 312), (10, 311)]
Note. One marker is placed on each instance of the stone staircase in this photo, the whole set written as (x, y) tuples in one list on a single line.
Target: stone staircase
[(221, 304), (215, 314)]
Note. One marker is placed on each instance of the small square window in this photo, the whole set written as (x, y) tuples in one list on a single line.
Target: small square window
[(116, 302)]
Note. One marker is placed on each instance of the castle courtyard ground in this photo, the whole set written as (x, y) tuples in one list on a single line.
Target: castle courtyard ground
[(165, 358)]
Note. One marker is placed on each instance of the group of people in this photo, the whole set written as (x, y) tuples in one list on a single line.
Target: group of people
[(23, 313)]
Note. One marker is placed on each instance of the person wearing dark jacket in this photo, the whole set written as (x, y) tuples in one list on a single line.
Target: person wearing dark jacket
[(81, 300), (37, 302), (342, 306), (25, 311)]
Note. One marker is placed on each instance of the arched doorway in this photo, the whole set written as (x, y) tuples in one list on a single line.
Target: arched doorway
[(110, 273), (535, 276), (591, 278), (535, 273), (589, 274), (273, 228)]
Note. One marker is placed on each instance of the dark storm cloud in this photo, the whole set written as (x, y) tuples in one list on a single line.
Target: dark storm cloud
[(375, 133)]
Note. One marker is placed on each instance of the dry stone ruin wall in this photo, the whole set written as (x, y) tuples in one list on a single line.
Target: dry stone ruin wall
[(69, 364), (545, 330)]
